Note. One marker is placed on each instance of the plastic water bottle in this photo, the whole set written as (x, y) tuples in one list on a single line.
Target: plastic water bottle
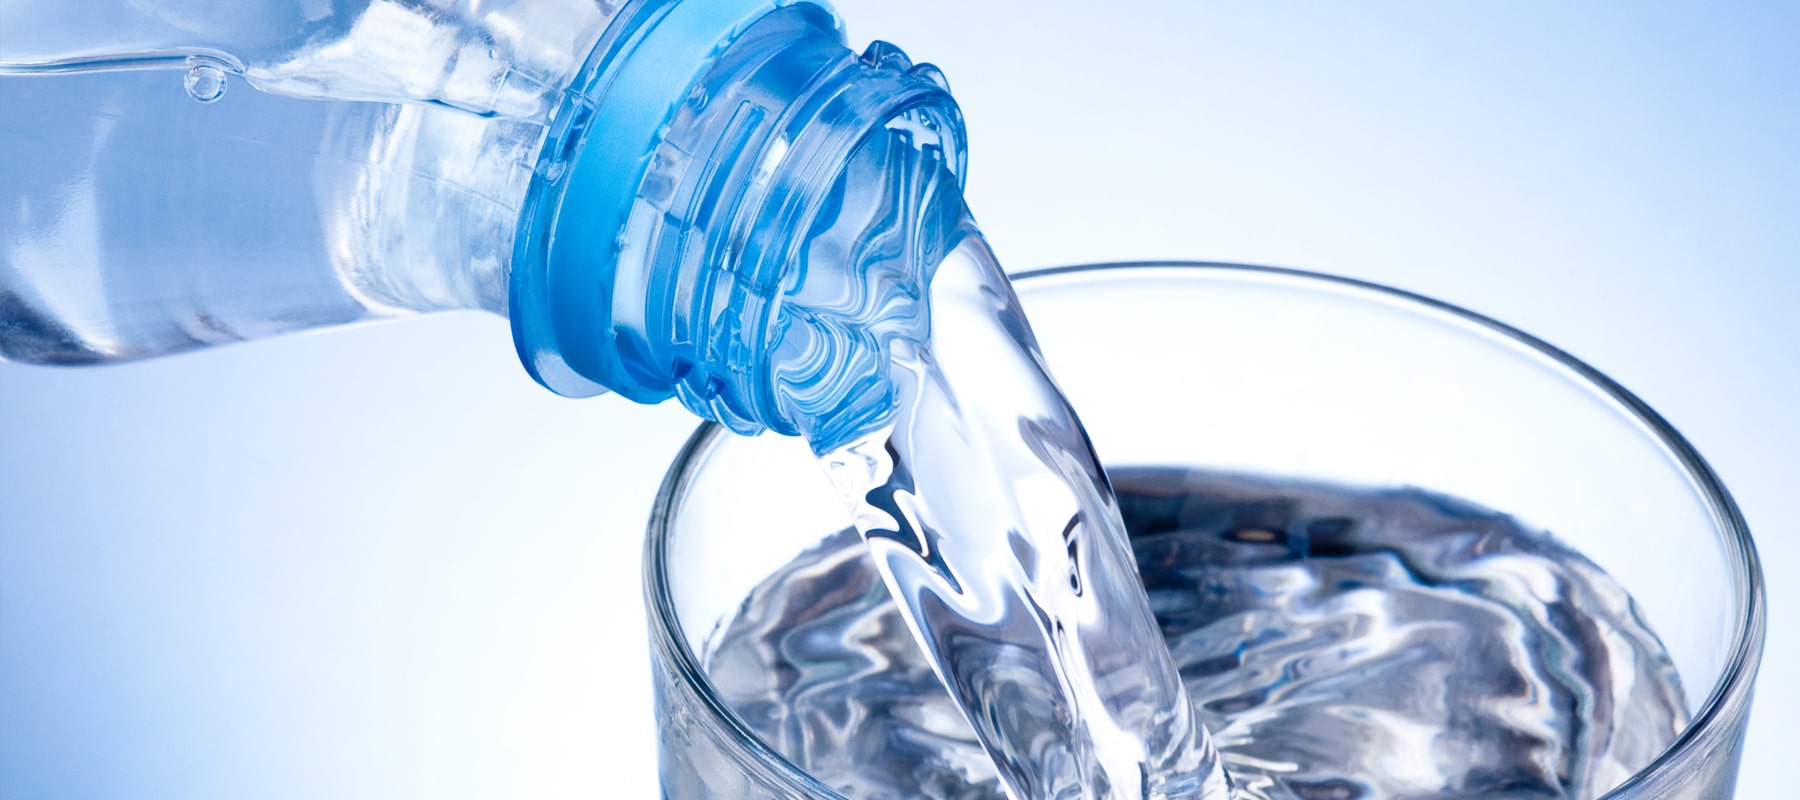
[(628, 181)]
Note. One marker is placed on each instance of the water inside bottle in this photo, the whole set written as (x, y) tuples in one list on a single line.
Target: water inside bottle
[(180, 182)]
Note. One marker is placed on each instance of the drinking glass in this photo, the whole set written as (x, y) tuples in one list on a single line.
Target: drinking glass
[(1279, 373)]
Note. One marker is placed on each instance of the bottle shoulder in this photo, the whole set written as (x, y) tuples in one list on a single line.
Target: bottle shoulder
[(513, 60)]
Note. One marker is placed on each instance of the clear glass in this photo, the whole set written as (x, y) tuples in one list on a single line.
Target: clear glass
[(1278, 373)]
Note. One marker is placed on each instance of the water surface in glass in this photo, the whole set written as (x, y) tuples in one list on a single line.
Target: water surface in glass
[(1304, 376)]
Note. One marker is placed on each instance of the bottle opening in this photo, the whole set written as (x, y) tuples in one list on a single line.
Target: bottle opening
[(715, 264)]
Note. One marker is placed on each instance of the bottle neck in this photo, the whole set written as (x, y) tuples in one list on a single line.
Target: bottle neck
[(690, 236)]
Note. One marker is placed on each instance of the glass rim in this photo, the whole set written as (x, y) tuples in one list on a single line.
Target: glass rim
[(1704, 731)]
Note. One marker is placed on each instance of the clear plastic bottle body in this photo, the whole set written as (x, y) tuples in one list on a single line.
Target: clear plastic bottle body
[(139, 222), (182, 174)]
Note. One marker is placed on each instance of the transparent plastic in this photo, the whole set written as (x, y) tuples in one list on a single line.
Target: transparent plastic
[(1287, 375), (182, 174), (624, 180)]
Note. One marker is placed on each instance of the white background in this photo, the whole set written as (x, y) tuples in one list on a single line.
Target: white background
[(383, 563)]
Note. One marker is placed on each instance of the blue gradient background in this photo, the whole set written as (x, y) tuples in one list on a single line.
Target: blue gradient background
[(382, 563)]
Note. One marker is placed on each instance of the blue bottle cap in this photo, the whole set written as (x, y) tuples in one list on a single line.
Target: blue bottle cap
[(587, 179)]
